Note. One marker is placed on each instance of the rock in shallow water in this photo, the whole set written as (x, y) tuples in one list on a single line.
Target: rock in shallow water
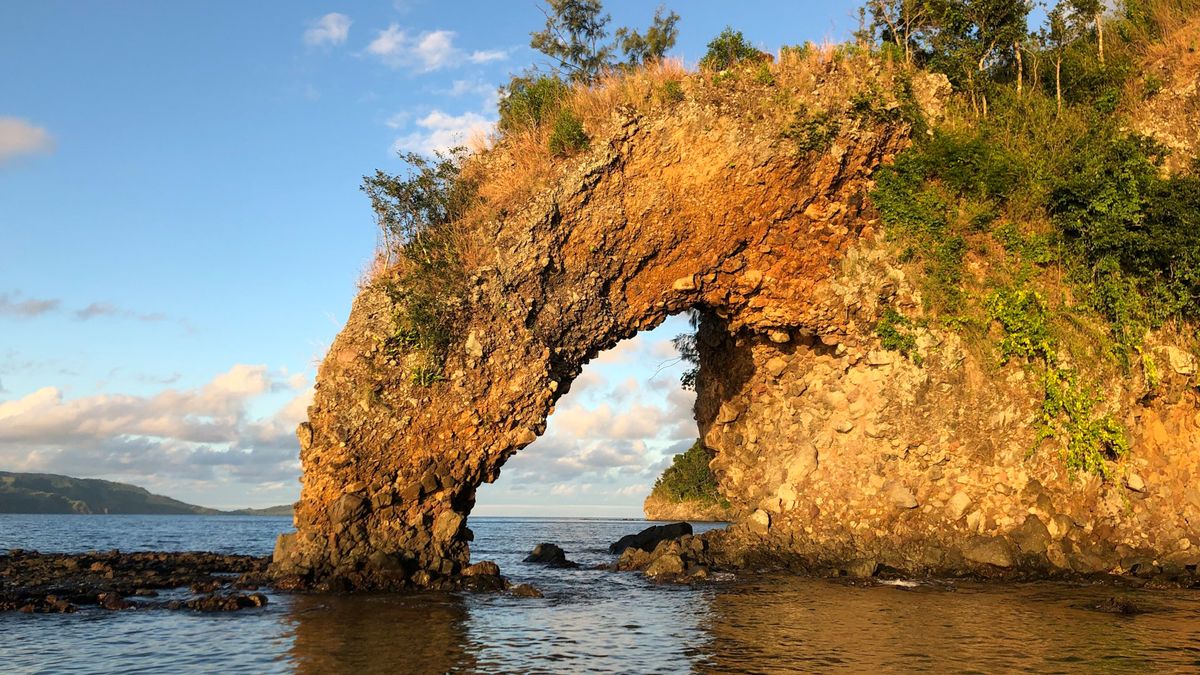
[(551, 555), (650, 537)]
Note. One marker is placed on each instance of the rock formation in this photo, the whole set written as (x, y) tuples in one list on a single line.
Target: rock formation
[(827, 446)]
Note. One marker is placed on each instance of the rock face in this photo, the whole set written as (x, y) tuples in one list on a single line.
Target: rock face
[(827, 446)]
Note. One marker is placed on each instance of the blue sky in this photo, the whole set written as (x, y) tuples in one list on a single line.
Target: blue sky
[(181, 230)]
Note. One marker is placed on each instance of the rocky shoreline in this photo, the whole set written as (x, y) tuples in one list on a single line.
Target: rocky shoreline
[(35, 582)]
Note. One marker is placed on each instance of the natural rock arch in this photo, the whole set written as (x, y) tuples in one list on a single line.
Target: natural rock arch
[(696, 210)]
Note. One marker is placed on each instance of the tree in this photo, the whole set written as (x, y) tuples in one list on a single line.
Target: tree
[(576, 38), (971, 36), (1060, 31), (1091, 11), (902, 22), (660, 36), (725, 50)]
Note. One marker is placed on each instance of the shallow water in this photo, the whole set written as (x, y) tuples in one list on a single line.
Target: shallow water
[(589, 621)]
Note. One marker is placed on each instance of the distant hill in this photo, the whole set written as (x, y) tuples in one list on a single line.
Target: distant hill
[(51, 493)]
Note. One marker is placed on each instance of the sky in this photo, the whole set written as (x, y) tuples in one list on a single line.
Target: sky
[(182, 232)]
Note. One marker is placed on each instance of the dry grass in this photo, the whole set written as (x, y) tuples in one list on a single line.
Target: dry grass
[(510, 169)]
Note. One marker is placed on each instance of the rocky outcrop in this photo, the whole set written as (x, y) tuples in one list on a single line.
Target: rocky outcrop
[(828, 448), (658, 507)]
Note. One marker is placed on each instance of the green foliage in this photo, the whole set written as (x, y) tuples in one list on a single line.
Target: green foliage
[(896, 334), (689, 352), (653, 45), (1068, 412), (529, 101), (1023, 316), (417, 214), (763, 76), (568, 136), (796, 51), (689, 477), (728, 49), (576, 39), (812, 133), (672, 91)]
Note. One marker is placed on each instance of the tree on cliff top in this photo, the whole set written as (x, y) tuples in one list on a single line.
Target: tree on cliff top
[(576, 39)]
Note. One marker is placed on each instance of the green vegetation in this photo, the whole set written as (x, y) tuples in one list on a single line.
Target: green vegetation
[(689, 478), (529, 101), (895, 334), (1038, 161), (417, 215), (576, 40), (727, 50), (812, 132), (568, 136)]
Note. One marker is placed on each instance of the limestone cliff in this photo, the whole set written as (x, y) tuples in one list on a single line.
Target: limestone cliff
[(827, 446)]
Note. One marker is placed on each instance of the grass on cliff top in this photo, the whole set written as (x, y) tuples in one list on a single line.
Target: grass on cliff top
[(435, 219)]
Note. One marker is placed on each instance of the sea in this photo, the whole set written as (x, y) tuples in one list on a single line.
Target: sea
[(590, 621)]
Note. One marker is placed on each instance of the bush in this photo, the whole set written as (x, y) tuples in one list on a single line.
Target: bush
[(727, 49), (1022, 315), (689, 477), (568, 136), (812, 133), (672, 91), (529, 101), (895, 334), (417, 214)]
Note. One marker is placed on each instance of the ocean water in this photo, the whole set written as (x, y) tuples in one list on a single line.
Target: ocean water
[(588, 621)]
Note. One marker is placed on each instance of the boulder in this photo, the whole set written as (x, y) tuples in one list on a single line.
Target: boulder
[(667, 564), (485, 568), (1032, 536), (988, 551), (650, 537), (526, 591), (550, 555)]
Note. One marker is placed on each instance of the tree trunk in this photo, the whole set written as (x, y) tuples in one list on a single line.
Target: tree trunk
[(1058, 81), (1020, 69), (1100, 35)]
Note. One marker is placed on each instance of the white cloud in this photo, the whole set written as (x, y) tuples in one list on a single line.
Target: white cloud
[(331, 29), (488, 55), (440, 131), (207, 433), (427, 51), (19, 137)]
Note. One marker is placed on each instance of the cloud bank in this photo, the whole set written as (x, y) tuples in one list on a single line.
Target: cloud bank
[(206, 434)]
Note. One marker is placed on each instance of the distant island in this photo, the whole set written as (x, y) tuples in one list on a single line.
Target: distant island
[(51, 493)]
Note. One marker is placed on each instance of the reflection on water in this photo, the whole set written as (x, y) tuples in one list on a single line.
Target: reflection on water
[(779, 625), (595, 621), (378, 634)]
